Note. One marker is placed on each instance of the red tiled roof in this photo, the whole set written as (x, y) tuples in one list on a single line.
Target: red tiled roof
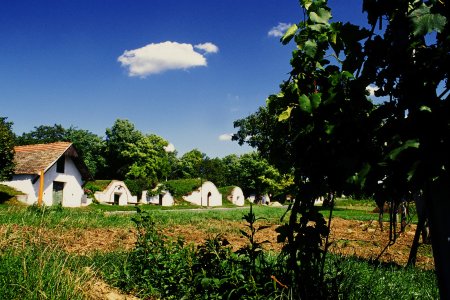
[(31, 159)]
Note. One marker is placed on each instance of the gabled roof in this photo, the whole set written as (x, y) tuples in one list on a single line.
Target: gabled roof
[(31, 159)]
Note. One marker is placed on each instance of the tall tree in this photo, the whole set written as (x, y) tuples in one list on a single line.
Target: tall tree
[(150, 161), (43, 134), (191, 164), (6, 149), (409, 62), (257, 176), (118, 140), (213, 170), (90, 146), (336, 139)]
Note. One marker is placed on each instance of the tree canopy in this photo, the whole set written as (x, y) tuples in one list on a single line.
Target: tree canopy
[(6, 149), (323, 123), (89, 145)]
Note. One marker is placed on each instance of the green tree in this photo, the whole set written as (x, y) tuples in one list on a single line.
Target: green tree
[(231, 170), (257, 176), (118, 140), (213, 170), (150, 161), (6, 149), (191, 164), (43, 134), (409, 63), (89, 145), (329, 131)]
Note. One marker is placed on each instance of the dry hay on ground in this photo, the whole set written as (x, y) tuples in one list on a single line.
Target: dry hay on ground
[(348, 237)]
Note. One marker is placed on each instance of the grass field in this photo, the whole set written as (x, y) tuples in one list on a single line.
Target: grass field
[(61, 253)]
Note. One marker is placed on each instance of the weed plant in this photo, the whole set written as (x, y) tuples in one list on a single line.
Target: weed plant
[(162, 268), (170, 269)]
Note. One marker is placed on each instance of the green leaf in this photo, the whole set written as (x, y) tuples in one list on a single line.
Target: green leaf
[(289, 34), (285, 114), (306, 3), (408, 144), (321, 16), (305, 103), (425, 22), (412, 170), (316, 99), (425, 108), (360, 177), (310, 48), (318, 27), (329, 128), (347, 74)]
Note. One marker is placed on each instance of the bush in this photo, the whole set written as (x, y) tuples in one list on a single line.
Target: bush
[(95, 186), (169, 269), (136, 186), (225, 191), (162, 268)]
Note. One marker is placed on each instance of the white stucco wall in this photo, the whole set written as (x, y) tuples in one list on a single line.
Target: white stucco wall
[(119, 188), (163, 199), (23, 184), (72, 191), (265, 199), (237, 196), (206, 195)]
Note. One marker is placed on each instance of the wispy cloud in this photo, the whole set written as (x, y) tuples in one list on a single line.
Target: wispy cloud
[(372, 89), (169, 148), (157, 58), (225, 137), (279, 30), (207, 47)]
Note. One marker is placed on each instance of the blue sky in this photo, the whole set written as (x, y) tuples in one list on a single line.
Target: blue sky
[(181, 69)]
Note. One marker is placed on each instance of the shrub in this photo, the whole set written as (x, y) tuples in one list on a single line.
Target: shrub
[(136, 186), (91, 187), (225, 191)]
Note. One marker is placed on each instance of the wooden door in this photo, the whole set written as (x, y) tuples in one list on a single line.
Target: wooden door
[(58, 192)]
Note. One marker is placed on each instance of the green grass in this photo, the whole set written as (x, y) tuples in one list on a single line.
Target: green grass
[(362, 210), (366, 280), (8, 194), (38, 272), (182, 187), (55, 217), (99, 216)]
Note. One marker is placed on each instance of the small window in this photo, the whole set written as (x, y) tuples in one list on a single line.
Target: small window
[(60, 164)]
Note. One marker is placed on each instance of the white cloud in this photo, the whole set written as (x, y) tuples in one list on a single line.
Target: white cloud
[(225, 137), (169, 148), (372, 89), (207, 47), (279, 30), (157, 58)]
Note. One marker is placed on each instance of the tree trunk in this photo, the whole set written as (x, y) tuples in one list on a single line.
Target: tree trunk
[(415, 245), (438, 208)]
